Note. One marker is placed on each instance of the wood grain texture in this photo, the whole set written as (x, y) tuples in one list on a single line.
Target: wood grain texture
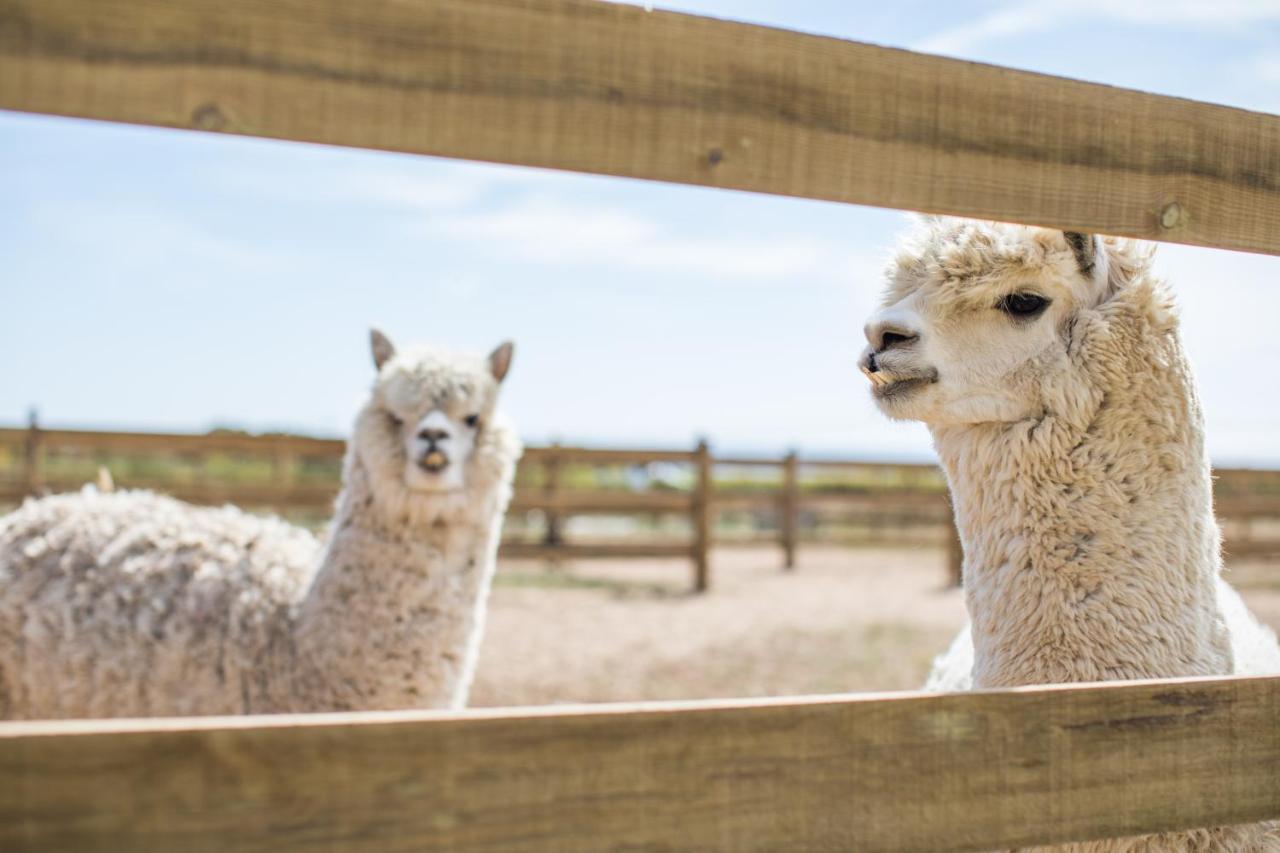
[(890, 772), (613, 89), (702, 518), (789, 510)]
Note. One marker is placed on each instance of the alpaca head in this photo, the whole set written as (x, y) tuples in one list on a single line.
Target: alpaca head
[(978, 318), (425, 422)]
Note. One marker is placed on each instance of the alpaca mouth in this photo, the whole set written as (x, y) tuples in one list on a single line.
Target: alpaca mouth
[(887, 386), (434, 462)]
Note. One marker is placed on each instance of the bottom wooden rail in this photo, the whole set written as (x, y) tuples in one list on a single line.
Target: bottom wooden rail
[(887, 772)]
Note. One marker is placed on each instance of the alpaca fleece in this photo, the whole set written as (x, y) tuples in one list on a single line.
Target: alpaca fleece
[(133, 604)]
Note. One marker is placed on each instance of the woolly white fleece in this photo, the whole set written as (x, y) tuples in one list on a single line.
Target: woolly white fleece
[(132, 604), (1091, 549)]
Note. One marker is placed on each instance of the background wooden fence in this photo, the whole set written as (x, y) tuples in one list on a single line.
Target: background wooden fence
[(682, 502)]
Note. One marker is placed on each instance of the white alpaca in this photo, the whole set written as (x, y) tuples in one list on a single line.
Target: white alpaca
[(1049, 370), (133, 604)]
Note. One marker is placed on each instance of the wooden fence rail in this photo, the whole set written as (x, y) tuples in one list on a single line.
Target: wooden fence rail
[(617, 90), (904, 772)]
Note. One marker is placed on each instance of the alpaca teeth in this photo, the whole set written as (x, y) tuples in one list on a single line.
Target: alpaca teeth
[(435, 458), (877, 377)]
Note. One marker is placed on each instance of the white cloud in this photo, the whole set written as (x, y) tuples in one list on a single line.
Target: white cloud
[(584, 234), (1008, 22), (1266, 67), (1229, 304), (128, 236), (399, 183), (1017, 19)]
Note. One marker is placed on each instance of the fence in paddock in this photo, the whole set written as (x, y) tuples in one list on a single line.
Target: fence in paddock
[(554, 485), (786, 501), (619, 90)]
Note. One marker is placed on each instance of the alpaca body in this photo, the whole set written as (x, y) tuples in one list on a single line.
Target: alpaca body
[(114, 599), (1049, 370), (132, 604), (1091, 551), (1254, 650)]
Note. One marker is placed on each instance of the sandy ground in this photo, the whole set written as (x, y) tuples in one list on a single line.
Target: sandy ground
[(844, 620)]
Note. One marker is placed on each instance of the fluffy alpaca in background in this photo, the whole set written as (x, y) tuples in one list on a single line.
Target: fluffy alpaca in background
[(133, 604)]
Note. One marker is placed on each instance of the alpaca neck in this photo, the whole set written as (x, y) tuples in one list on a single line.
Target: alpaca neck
[(1090, 550), (391, 618)]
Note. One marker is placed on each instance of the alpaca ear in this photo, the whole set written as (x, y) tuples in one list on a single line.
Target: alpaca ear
[(500, 360), (1085, 248), (381, 347)]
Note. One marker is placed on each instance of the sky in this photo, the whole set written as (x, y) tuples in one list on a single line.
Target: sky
[(176, 281)]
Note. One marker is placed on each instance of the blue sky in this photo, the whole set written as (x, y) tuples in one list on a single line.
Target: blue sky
[(175, 281)]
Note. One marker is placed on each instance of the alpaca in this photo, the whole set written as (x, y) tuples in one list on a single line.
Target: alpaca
[(1049, 371), (132, 604)]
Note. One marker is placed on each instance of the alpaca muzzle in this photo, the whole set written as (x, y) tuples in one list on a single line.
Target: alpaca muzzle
[(872, 370), (434, 461), (876, 376)]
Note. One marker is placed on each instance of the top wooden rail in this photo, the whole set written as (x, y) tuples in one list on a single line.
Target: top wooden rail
[(614, 89), (895, 772)]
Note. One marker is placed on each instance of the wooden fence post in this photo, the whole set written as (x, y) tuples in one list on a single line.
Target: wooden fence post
[(955, 553), (34, 479), (702, 518), (284, 463), (789, 509), (551, 488)]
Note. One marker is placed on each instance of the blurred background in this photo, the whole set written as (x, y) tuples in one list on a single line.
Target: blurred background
[(171, 282)]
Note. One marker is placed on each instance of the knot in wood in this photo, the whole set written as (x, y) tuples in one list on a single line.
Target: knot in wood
[(208, 116)]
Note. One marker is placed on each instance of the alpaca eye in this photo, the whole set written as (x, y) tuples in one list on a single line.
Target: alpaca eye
[(1022, 305), (395, 419), (472, 420)]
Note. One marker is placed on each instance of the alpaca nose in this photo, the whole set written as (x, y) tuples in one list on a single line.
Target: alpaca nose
[(887, 334), (431, 435)]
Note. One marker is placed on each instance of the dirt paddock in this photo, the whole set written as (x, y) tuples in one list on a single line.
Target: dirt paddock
[(846, 620)]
